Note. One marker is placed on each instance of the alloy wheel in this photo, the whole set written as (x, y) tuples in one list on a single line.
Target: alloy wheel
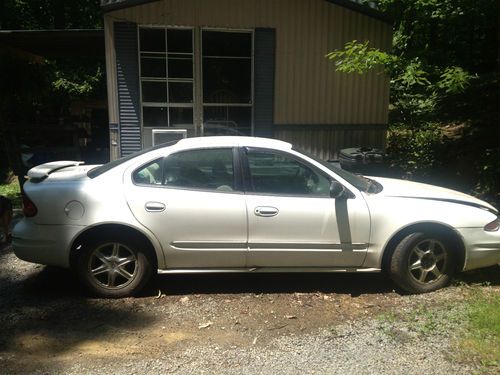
[(113, 265), (427, 261)]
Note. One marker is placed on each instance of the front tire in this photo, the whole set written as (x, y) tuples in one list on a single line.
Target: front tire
[(114, 267), (423, 262)]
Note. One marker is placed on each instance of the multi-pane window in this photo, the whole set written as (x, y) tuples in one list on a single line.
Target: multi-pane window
[(166, 62), (167, 75), (227, 81)]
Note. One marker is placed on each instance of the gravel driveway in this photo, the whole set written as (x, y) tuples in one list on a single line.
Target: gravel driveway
[(230, 324)]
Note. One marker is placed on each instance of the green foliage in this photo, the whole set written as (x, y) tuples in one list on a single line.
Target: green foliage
[(488, 184), (13, 192), (358, 57), (50, 14), (443, 70), (454, 79), (412, 75), (78, 81), (417, 151), (40, 91)]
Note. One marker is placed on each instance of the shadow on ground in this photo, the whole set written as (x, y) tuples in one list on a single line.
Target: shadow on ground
[(483, 276), (339, 283), (45, 314), (44, 311)]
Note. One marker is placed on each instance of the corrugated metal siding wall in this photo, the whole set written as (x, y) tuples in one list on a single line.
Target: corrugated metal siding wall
[(307, 88)]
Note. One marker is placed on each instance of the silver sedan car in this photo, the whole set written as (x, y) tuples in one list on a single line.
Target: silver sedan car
[(242, 204)]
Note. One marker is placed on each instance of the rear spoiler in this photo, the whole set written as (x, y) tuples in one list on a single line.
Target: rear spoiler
[(42, 171)]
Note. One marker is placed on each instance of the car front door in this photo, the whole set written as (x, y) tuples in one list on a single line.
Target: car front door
[(191, 201), (292, 219)]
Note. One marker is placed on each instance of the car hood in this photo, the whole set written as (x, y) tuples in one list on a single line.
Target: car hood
[(416, 190)]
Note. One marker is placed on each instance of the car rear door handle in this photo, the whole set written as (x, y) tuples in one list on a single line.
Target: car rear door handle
[(266, 211), (155, 206)]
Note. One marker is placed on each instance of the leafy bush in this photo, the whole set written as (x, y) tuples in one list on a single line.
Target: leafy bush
[(488, 166), (13, 192), (416, 151)]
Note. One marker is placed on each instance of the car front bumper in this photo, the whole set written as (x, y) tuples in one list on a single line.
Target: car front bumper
[(44, 244), (482, 248)]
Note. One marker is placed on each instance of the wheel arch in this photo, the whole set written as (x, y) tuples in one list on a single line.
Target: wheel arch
[(106, 228), (436, 227)]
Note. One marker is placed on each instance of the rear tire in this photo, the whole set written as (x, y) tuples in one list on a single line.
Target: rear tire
[(423, 262), (114, 266)]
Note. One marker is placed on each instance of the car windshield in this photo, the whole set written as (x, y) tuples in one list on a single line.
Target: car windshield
[(97, 171), (359, 182)]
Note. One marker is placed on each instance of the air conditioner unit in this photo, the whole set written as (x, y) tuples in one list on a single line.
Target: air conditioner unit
[(167, 135)]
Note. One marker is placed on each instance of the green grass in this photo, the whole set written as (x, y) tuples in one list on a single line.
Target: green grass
[(483, 334), (475, 320), (13, 192)]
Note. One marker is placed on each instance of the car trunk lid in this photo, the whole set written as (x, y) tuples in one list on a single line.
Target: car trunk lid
[(59, 170)]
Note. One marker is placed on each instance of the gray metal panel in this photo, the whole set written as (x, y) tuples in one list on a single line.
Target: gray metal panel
[(127, 72), (264, 61), (326, 141)]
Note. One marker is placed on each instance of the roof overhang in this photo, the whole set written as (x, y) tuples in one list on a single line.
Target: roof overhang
[(55, 43), (110, 5), (363, 9)]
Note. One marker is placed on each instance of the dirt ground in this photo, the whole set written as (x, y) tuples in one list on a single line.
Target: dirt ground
[(48, 323)]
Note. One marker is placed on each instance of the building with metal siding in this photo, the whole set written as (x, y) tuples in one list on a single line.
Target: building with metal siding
[(295, 93)]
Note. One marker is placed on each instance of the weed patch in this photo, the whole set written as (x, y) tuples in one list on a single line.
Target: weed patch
[(13, 192), (482, 340)]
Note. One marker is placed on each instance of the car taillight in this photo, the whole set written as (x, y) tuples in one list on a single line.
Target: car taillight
[(29, 208), (493, 226)]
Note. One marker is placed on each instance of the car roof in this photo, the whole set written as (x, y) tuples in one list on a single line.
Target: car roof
[(233, 141)]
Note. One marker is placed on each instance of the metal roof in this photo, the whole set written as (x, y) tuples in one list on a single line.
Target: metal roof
[(108, 5), (355, 5)]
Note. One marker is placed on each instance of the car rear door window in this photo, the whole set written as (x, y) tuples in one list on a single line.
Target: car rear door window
[(205, 169), (149, 174), (277, 173)]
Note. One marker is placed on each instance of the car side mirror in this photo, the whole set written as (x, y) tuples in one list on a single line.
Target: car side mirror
[(337, 190)]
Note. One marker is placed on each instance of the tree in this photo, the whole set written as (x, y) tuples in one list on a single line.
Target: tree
[(443, 69), (50, 14), (35, 90)]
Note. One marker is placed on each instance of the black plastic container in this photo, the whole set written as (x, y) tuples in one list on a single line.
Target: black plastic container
[(364, 160)]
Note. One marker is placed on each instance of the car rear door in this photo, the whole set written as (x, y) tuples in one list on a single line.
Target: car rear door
[(192, 202), (293, 221)]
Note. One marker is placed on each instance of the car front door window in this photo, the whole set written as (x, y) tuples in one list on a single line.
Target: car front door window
[(276, 173)]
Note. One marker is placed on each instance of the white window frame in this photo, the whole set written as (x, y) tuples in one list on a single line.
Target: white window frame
[(198, 103), (166, 80)]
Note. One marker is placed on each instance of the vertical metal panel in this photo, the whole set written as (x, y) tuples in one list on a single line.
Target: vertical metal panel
[(326, 142), (127, 72), (307, 88), (264, 52), (111, 82)]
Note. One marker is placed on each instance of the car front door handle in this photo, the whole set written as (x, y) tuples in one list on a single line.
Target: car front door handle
[(155, 206), (266, 211)]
